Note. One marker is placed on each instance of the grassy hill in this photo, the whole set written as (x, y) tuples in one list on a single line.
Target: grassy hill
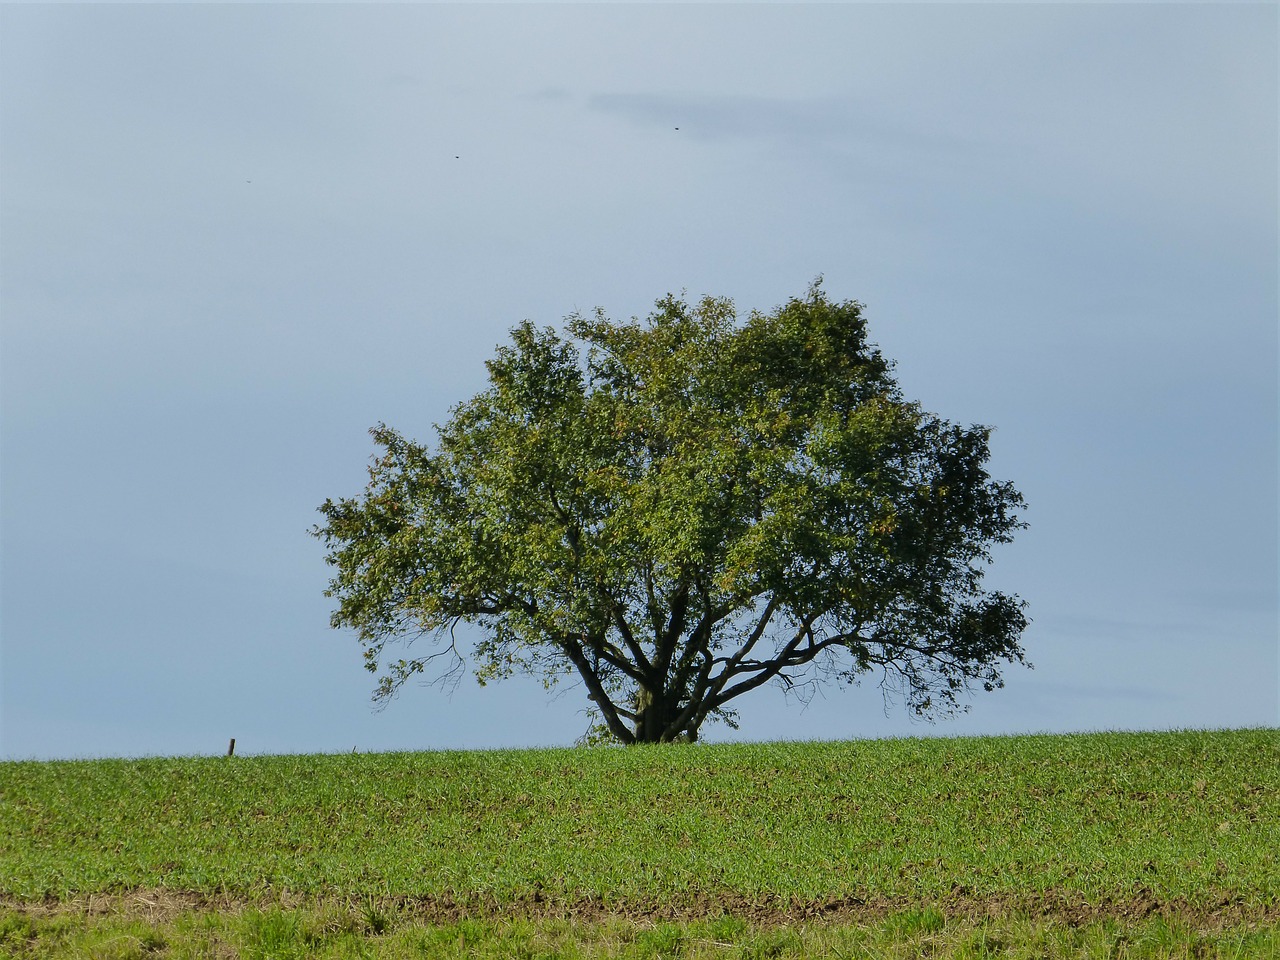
[(1076, 833)]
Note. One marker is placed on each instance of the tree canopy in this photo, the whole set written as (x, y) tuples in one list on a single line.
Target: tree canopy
[(678, 510)]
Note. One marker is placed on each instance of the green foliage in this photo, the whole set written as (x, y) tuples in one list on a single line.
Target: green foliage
[(680, 510)]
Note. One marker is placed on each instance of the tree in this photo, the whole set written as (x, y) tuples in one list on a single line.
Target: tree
[(679, 510)]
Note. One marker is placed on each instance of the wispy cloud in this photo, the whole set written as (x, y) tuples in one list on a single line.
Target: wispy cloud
[(843, 122)]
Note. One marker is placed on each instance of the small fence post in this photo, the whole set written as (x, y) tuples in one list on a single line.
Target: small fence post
[(231, 750)]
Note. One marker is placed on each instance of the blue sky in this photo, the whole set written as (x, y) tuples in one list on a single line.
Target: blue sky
[(233, 238)]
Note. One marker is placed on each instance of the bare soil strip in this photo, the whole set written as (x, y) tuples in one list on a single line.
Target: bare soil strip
[(161, 906)]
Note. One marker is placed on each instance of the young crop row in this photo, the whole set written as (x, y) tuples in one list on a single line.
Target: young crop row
[(1183, 821)]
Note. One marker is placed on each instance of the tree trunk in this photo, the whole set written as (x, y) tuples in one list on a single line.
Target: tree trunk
[(656, 716)]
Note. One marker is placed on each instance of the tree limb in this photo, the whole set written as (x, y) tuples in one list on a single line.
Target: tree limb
[(573, 650)]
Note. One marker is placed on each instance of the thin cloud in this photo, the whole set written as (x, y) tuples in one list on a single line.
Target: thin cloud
[(781, 121)]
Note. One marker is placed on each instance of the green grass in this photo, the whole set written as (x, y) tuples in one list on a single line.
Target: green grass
[(1172, 835), (274, 934)]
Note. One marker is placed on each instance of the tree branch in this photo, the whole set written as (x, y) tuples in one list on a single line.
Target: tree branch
[(790, 656), (758, 632), (655, 611), (669, 638), (618, 613), (573, 650), (614, 657)]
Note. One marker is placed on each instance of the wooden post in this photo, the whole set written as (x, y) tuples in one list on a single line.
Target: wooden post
[(231, 750)]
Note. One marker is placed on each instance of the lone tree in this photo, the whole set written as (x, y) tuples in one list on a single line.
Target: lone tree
[(679, 510)]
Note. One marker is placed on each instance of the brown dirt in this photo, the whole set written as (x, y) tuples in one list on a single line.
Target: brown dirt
[(158, 906)]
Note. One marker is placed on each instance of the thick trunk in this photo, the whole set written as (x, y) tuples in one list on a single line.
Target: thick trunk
[(657, 716)]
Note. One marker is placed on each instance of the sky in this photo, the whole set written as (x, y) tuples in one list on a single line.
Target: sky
[(233, 238)]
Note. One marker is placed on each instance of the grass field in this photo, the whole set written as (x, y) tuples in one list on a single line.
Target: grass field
[(1108, 845)]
